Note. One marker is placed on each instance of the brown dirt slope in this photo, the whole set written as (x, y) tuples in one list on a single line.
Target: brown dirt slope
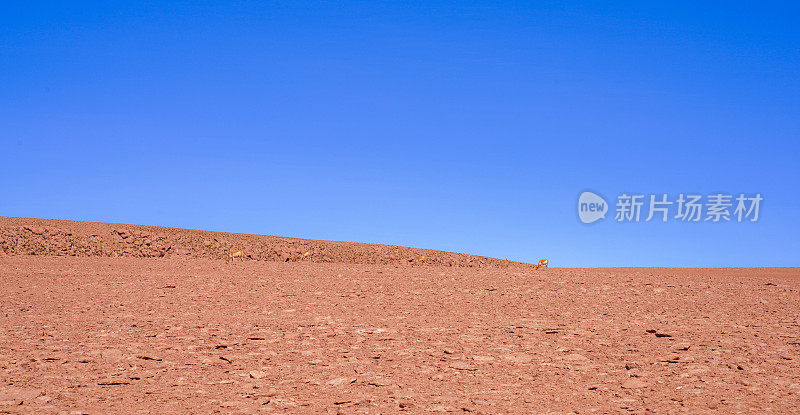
[(29, 236)]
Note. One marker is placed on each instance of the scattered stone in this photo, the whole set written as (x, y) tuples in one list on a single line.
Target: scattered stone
[(576, 357), (462, 366), (35, 230), (379, 382), (257, 374), (672, 359), (483, 359), (632, 365), (633, 383), (341, 381)]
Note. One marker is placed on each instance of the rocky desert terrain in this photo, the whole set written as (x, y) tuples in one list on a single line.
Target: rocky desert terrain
[(25, 236), (104, 318)]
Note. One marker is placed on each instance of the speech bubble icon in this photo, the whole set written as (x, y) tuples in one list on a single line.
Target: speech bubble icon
[(591, 207)]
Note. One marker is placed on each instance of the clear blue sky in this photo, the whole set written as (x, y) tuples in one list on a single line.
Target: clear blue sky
[(464, 126)]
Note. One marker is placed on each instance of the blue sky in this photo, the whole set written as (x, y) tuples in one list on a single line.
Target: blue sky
[(464, 126)]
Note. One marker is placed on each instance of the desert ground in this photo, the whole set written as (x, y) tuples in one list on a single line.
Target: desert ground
[(93, 332)]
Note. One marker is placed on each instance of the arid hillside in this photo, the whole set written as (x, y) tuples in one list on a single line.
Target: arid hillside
[(27, 236)]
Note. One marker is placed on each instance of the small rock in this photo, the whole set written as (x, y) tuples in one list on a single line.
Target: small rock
[(379, 382), (257, 374), (462, 366), (633, 383), (483, 359), (35, 230), (340, 381), (576, 357), (736, 366)]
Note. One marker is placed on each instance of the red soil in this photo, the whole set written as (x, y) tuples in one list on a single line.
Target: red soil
[(182, 334)]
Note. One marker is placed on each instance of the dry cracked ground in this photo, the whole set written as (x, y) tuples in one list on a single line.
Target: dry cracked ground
[(145, 335)]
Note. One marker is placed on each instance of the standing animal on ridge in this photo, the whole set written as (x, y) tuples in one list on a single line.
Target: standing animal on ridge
[(418, 260), (299, 258), (234, 254), (543, 263)]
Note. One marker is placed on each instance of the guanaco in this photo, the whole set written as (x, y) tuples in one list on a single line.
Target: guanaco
[(234, 254), (543, 263), (418, 260), (299, 258)]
